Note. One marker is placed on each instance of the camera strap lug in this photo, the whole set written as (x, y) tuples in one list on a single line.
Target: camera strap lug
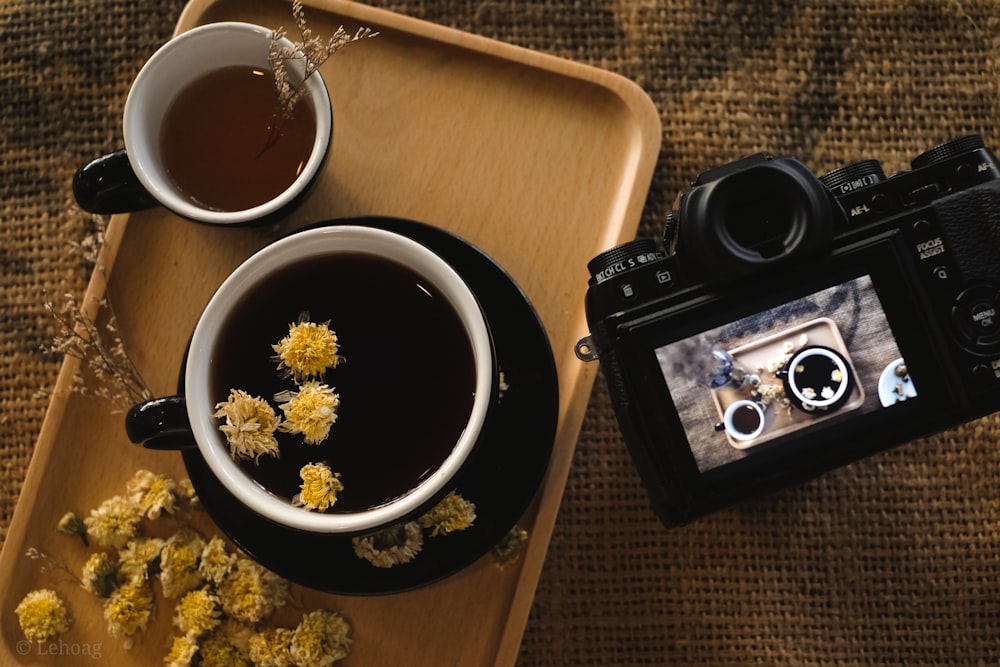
[(586, 350)]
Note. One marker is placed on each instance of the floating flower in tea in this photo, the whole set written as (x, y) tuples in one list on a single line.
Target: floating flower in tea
[(310, 411), (320, 487), (250, 425), (308, 349)]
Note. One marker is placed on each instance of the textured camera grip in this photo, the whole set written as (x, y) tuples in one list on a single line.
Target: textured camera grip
[(970, 225)]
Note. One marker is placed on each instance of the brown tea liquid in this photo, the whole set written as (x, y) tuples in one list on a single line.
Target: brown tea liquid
[(223, 144), (406, 387)]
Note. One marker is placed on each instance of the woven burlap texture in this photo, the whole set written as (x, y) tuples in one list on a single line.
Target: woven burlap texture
[(892, 560)]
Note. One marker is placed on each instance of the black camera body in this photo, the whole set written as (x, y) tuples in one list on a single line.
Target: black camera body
[(793, 324)]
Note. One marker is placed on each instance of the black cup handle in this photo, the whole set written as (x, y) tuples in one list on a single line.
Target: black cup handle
[(161, 423), (109, 185)]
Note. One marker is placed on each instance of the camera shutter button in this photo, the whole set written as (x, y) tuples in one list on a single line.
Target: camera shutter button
[(976, 315)]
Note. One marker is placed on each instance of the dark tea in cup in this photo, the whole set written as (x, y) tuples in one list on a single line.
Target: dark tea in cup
[(225, 144), (405, 386)]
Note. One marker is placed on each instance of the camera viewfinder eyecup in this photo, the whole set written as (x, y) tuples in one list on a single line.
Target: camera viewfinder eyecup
[(758, 212)]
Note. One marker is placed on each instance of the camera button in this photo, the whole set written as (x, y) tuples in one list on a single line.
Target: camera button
[(628, 291), (976, 315), (880, 202)]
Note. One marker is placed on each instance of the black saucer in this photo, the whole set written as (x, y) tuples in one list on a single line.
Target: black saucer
[(501, 480)]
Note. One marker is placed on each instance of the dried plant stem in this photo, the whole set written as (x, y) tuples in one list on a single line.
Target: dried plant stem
[(311, 50), (101, 350)]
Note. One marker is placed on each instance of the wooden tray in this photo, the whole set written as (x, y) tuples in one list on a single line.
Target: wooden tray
[(540, 162)]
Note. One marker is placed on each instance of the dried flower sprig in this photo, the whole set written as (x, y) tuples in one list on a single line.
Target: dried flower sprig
[(103, 352), (311, 50)]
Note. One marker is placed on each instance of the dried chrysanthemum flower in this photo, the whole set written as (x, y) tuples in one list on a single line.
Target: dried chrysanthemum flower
[(216, 561), (140, 558), (227, 646), (453, 513), (197, 612), (250, 425), (510, 546), (114, 522), (251, 592), (271, 647), (393, 546), (320, 487), (182, 652), (308, 349), (71, 524), (151, 492), (311, 411), (179, 559), (42, 615), (99, 574), (321, 639), (187, 492), (128, 610)]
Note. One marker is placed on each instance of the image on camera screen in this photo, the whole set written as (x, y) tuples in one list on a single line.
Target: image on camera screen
[(741, 387)]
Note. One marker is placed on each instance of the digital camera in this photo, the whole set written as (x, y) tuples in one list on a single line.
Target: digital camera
[(790, 324)]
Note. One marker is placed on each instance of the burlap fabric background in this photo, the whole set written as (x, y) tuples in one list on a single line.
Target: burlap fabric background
[(893, 560)]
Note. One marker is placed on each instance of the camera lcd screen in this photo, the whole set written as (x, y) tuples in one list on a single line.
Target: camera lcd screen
[(746, 386)]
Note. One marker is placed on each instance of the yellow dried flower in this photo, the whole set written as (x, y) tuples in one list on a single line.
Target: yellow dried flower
[(187, 491), (216, 561), (228, 646), (151, 492), (510, 546), (114, 522), (393, 546), (71, 524), (271, 647), (311, 411), (99, 572), (140, 558), (321, 639), (42, 615), (453, 513), (182, 652), (308, 349), (197, 613), (320, 487), (250, 425), (179, 563), (251, 592), (128, 609)]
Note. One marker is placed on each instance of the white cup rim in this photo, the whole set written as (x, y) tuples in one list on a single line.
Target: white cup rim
[(302, 245), (148, 97)]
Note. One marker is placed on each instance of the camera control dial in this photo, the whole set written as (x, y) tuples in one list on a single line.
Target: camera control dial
[(853, 177), (622, 258)]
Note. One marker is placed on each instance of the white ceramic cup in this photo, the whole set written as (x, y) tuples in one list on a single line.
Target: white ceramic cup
[(154, 423), (135, 177), (818, 401), (750, 407)]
